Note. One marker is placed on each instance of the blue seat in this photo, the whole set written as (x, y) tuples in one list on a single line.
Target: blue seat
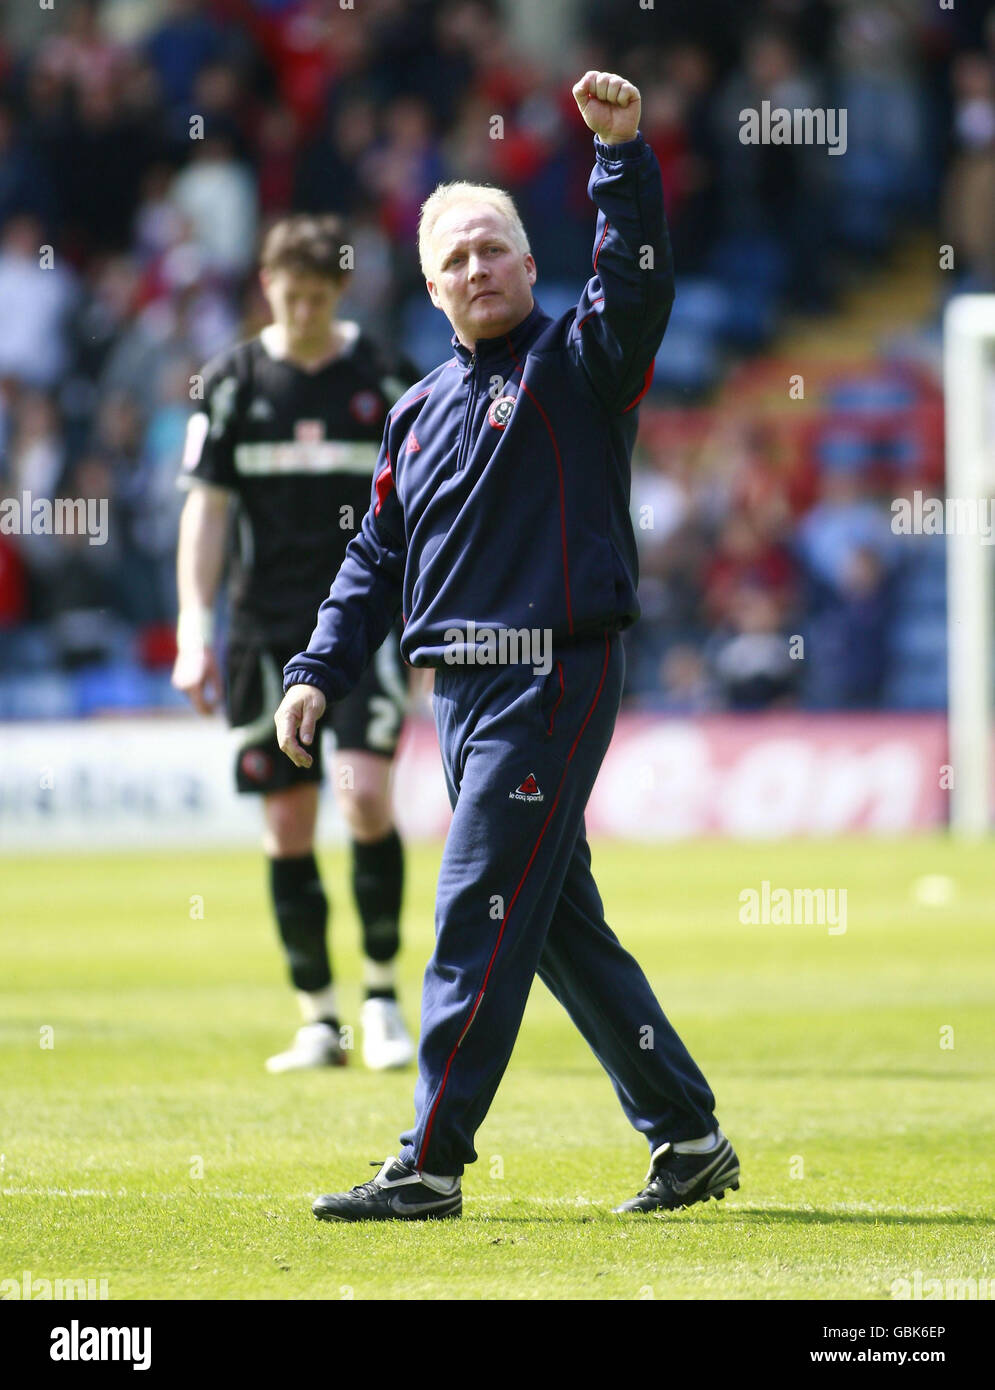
[(753, 318), (45, 695), (687, 361), (160, 693), (917, 687), (844, 449), (749, 258), (113, 686), (701, 303), (29, 647), (871, 394), (918, 637)]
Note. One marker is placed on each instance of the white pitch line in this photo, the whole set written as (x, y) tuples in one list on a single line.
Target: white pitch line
[(150, 1196)]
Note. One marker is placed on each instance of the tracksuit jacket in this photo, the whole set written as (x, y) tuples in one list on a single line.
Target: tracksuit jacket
[(501, 492)]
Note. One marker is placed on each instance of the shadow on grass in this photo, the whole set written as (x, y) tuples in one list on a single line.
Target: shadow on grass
[(818, 1217), (602, 1215)]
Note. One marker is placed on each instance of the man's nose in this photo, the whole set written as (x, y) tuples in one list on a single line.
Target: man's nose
[(475, 268)]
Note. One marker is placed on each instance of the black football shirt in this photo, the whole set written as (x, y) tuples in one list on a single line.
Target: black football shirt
[(298, 447)]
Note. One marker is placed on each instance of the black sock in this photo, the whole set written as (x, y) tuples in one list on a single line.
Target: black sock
[(378, 882), (302, 915)]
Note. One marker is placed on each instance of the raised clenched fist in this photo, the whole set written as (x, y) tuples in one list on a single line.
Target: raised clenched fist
[(610, 105)]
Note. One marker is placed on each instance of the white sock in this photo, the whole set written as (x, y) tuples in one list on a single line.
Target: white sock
[(698, 1146), (379, 974), (318, 1005), (438, 1184)]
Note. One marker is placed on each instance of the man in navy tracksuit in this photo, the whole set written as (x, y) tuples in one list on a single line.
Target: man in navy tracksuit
[(499, 527)]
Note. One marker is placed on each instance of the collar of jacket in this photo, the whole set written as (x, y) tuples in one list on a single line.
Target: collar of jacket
[(487, 349)]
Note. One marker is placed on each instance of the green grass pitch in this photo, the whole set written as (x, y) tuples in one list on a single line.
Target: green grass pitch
[(146, 1145)]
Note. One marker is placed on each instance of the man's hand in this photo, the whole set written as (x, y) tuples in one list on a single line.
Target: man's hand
[(196, 673), (299, 712), (610, 105)]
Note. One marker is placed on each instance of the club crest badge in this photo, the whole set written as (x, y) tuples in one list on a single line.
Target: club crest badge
[(366, 407), (500, 411), (256, 765)]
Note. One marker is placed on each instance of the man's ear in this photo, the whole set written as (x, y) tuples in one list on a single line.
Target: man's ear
[(433, 294), (530, 268)]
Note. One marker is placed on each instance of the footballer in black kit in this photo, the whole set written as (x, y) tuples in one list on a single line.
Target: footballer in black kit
[(279, 461), (299, 449)]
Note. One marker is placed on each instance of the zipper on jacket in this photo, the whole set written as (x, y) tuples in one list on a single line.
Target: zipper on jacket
[(464, 439)]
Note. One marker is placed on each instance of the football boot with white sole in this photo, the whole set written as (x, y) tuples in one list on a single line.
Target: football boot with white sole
[(397, 1193), (316, 1045), (387, 1043), (677, 1180)]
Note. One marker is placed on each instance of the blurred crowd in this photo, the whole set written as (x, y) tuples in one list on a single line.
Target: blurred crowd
[(145, 145), (771, 574)]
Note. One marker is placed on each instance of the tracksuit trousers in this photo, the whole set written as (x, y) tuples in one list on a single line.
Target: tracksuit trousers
[(516, 898)]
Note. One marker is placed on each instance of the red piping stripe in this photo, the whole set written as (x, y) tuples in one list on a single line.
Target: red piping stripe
[(563, 502), (647, 379), (384, 483), (385, 478), (591, 314), (600, 244), (487, 974)]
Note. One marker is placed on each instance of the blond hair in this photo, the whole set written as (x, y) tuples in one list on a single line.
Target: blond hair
[(448, 195)]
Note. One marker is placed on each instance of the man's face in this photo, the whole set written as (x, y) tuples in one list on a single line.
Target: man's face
[(303, 305), (480, 281)]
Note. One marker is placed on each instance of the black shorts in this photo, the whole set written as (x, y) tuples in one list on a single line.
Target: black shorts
[(368, 720)]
